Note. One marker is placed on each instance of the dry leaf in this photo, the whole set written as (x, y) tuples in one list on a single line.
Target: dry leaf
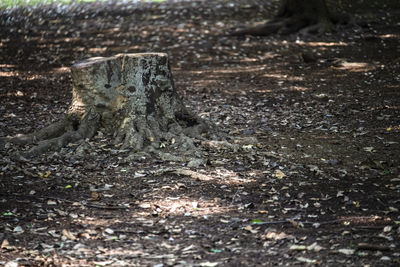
[(6, 245), (279, 174), (96, 196), (306, 260), (250, 229), (145, 206), (68, 235), (276, 236), (298, 247), (346, 251)]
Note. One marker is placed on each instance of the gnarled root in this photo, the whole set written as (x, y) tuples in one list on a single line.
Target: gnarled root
[(149, 133), (317, 29), (287, 26), (55, 136)]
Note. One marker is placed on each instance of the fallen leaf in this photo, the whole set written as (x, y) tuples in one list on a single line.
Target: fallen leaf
[(45, 246), (316, 225), (306, 260), (387, 229), (51, 202), (263, 211), (279, 174), (369, 149), (68, 235), (145, 206), (346, 251), (6, 245), (298, 247), (257, 221), (315, 247), (18, 229), (54, 234), (138, 175), (96, 196), (209, 264), (109, 231), (45, 175), (276, 236), (250, 229)]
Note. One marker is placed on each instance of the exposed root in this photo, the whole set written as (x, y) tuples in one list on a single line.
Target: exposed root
[(288, 26), (54, 130), (317, 29), (261, 30), (56, 136), (86, 129), (148, 133)]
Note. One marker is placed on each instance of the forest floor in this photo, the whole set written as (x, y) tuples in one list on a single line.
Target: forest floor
[(320, 186)]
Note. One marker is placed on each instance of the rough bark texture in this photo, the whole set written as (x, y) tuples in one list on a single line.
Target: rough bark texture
[(130, 96), (303, 16)]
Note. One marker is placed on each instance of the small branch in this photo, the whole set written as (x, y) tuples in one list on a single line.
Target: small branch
[(70, 201), (89, 205), (105, 207), (309, 223), (272, 222), (367, 246)]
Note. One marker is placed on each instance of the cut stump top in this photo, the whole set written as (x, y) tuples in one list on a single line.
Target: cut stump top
[(100, 60)]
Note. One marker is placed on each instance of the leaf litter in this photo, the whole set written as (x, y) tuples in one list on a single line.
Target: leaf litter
[(312, 176)]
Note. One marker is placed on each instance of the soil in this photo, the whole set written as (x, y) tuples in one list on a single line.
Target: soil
[(318, 183)]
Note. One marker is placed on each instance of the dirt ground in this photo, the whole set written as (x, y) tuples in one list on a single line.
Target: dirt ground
[(319, 186)]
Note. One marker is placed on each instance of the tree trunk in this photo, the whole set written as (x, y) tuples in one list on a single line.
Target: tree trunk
[(313, 10), (129, 96), (303, 16)]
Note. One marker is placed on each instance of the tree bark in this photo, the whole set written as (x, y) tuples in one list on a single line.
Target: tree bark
[(303, 16), (129, 96)]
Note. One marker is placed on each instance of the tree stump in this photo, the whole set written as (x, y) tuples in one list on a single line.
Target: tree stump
[(129, 96)]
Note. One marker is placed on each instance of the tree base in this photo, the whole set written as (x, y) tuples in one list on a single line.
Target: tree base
[(130, 97), (294, 25), (306, 17)]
